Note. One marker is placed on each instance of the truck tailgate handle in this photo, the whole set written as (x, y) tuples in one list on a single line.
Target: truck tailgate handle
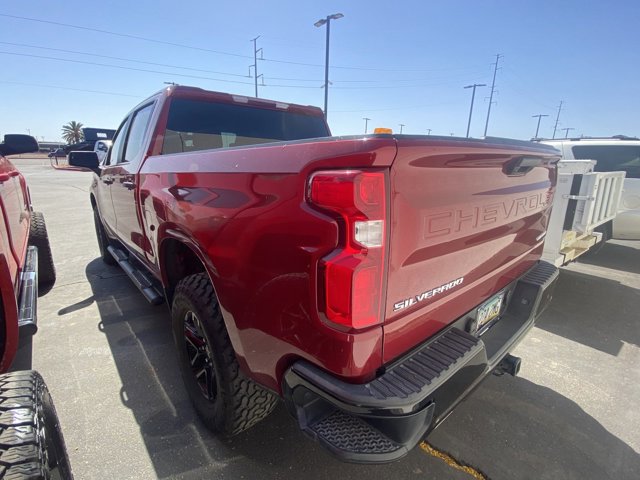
[(519, 166), (587, 198)]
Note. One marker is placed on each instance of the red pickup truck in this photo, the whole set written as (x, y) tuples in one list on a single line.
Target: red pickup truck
[(31, 442), (370, 281)]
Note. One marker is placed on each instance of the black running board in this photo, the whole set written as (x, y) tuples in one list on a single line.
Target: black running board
[(139, 278), (27, 314)]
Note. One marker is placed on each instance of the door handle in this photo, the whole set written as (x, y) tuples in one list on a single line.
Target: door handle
[(129, 185)]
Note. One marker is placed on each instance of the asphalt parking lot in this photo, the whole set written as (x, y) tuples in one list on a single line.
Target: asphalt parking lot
[(107, 356)]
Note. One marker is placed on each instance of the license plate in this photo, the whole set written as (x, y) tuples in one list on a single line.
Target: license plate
[(490, 310)]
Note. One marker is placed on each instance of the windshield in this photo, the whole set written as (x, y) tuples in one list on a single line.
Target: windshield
[(200, 125), (612, 157)]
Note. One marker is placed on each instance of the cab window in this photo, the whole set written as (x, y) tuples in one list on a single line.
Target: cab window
[(135, 142)]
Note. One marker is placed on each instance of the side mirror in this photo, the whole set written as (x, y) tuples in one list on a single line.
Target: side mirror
[(84, 160), (16, 143)]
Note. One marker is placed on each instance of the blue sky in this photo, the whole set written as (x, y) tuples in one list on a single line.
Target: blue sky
[(394, 62)]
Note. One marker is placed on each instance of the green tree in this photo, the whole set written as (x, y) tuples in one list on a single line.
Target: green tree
[(72, 132)]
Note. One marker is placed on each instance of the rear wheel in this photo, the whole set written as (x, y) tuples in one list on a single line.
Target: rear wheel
[(31, 442), (103, 240), (225, 399), (39, 238)]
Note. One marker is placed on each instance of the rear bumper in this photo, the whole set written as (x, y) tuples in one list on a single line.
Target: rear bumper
[(384, 419)]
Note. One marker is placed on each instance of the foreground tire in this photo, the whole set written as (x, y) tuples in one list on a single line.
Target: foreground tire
[(103, 240), (38, 237), (225, 399), (31, 442)]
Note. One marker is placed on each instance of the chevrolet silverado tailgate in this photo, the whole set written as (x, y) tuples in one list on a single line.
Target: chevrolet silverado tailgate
[(467, 217)]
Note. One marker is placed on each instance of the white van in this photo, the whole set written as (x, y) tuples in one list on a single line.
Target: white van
[(612, 154)]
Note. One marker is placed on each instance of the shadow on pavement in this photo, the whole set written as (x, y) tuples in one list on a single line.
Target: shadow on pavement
[(577, 313), (509, 428), (616, 257)]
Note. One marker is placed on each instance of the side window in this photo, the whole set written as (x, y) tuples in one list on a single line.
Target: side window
[(612, 157), (115, 154), (138, 128)]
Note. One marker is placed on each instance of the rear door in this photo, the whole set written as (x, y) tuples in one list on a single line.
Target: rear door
[(15, 211), (467, 218), (124, 186), (14, 224), (108, 170)]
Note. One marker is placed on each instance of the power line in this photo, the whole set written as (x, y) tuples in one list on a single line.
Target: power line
[(255, 63), (193, 69), (123, 68), (125, 35), (23, 84), (221, 52), (200, 77), (77, 52), (493, 87)]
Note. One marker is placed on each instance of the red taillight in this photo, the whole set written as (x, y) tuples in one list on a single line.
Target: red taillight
[(352, 274)]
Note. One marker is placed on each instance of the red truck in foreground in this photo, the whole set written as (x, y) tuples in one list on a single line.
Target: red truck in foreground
[(371, 281), (31, 442)]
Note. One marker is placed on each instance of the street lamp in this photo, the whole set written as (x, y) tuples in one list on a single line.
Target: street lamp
[(366, 124), (473, 97), (320, 23)]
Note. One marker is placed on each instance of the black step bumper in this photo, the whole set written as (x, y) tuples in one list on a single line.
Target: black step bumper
[(382, 420)]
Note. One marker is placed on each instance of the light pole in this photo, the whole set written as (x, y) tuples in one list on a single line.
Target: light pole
[(473, 97), (566, 131), (401, 126), (366, 124), (319, 23), (539, 118), (428, 131)]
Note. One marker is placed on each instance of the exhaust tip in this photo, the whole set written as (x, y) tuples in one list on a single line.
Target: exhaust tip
[(509, 364)]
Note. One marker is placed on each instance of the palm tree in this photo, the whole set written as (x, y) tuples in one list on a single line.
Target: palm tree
[(72, 132)]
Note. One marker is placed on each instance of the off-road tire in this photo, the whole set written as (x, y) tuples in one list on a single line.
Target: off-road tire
[(31, 442), (39, 238), (239, 403), (103, 240)]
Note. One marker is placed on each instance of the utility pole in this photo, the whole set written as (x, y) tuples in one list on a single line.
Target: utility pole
[(566, 131), (428, 131), (366, 124), (493, 87), (255, 63), (555, 127), (401, 126), (473, 97), (539, 118), (319, 23)]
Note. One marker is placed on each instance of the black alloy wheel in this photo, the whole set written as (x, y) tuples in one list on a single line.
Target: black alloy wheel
[(200, 356)]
